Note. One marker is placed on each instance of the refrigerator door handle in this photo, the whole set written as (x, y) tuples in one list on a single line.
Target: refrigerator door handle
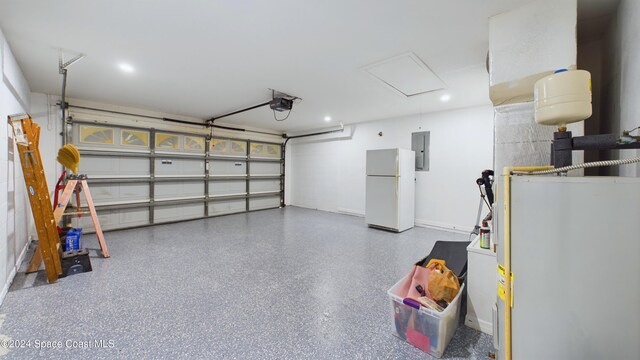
[(396, 187), (397, 164), (397, 204)]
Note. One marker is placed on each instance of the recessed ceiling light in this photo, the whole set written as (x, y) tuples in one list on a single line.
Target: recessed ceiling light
[(126, 67), (327, 118), (445, 97)]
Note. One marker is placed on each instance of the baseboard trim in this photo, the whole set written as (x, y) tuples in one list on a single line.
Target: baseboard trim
[(14, 271), (478, 324), (418, 222), (441, 226), (351, 212)]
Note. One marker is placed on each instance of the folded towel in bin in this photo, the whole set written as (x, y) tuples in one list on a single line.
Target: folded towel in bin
[(418, 340), (420, 276)]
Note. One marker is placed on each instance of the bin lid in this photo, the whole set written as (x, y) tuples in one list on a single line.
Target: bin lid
[(453, 252)]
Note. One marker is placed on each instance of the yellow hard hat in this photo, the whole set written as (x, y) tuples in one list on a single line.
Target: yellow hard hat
[(69, 157)]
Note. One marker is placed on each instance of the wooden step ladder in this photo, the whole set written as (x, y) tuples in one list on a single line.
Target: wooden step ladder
[(26, 135), (77, 184)]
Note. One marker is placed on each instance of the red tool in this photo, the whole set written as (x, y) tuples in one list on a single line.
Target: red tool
[(60, 187)]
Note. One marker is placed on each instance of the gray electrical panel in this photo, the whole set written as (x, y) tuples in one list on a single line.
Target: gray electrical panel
[(420, 145)]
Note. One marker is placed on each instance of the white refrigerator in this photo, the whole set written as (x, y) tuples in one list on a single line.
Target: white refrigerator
[(390, 193)]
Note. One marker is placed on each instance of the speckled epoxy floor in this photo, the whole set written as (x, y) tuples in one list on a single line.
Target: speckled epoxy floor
[(283, 283)]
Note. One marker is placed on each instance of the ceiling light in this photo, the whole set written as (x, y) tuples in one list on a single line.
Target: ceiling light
[(445, 97), (327, 118), (126, 67)]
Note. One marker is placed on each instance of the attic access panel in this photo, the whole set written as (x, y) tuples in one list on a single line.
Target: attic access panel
[(406, 74)]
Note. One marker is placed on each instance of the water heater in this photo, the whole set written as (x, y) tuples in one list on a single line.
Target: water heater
[(563, 98)]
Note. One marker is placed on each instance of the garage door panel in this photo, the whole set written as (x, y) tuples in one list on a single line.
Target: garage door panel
[(228, 147), (261, 185), (226, 167), (115, 219), (105, 137), (194, 144), (264, 150), (178, 212), (126, 154), (109, 193), (96, 136), (113, 166), (227, 206), (227, 187), (265, 168), (178, 189), (176, 167), (264, 203)]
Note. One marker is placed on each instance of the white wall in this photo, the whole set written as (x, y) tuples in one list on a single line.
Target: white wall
[(524, 47), (622, 70), (527, 43), (46, 113), (330, 174), (15, 214), (590, 59)]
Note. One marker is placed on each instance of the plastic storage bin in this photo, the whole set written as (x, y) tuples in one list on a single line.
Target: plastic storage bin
[(428, 330)]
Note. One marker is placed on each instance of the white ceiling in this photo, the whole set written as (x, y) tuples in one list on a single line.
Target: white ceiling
[(204, 58)]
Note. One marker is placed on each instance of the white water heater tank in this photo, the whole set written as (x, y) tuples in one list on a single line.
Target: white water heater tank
[(563, 98)]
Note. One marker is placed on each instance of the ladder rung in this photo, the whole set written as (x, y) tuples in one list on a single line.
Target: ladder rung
[(16, 117), (76, 212)]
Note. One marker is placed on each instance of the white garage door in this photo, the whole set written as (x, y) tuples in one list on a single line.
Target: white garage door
[(145, 176)]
